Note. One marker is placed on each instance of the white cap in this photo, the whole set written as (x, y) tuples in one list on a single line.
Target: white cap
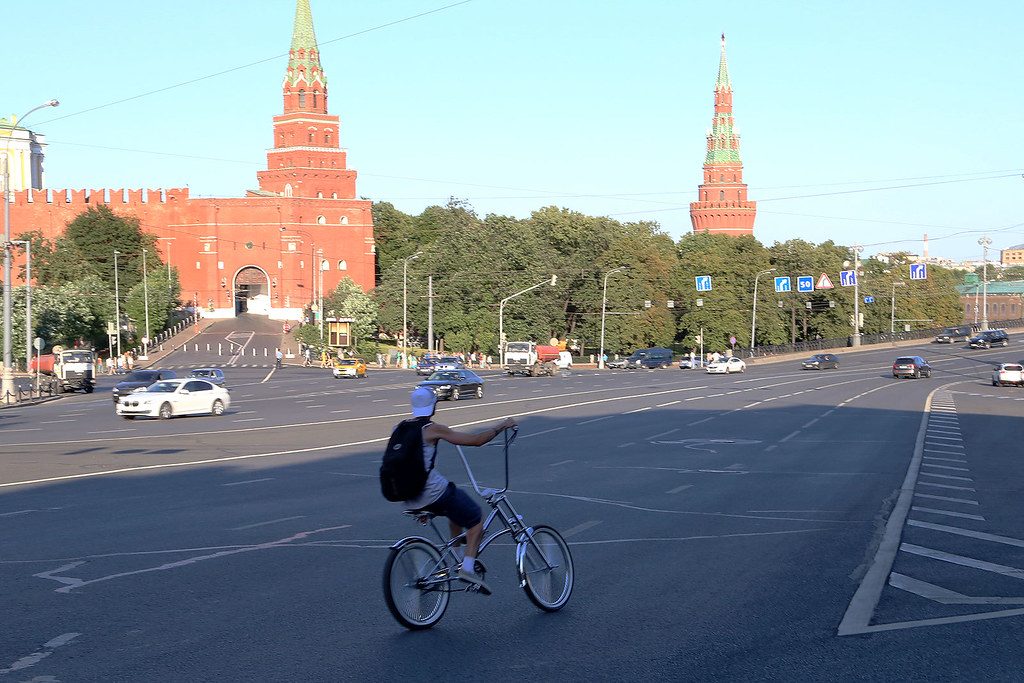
[(423, 401)]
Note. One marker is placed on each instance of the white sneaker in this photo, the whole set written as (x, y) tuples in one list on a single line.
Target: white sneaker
[(475, 579)]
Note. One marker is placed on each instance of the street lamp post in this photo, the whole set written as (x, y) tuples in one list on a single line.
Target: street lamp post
[(604, 302), (405, 307), (169, 242), (501, 315), (892, 308), (145, 295), (7, 383), (984, 242), (320, 288), (753, 314), (28, 298), (117, 305), (857, 249)]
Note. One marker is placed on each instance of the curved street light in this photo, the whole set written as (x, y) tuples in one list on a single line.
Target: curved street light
[(501, 314), (7, 384), (753, 315), (984, 242), (604, 301)]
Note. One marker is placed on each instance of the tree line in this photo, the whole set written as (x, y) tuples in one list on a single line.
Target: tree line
[(474, 262)]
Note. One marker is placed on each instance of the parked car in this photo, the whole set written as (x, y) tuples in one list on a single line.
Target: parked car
[(911, 366), (989, 338), (687, 364), (137, 380), (655, 357), (821, 361), (427, 365), (349, 367), (170, 397), (1008, 373), (449, 363), (211, 375), (954, 334), (726, 366), (454, 384)]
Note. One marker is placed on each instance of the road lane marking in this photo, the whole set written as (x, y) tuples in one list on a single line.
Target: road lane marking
[(17, 512), (706, 419), (269, 375), (562, 462), (980, 535), (670, 403), (580, 528), (810, 423), (933, 457), (930, 591), (317, 405), (946, 476), (53, 422), (680, 488), (251, 419), (963, 561), (28, 429), (39, 655), (771, 447), (272, 521), (789, 436), (247, 481), (946, 486), (638, 410), (947, 513), (945, 438), (112, 431), (965, 501), (348, 411), (546, 431), (946, 467), (596, 419)]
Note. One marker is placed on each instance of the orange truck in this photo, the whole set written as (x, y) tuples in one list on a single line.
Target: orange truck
[(528, 358), (67, 369)]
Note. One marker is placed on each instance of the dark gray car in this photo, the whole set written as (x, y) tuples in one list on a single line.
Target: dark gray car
[(211, 375), (139, 379)]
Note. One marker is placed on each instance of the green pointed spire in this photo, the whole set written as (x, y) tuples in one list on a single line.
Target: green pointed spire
[(304, 55), (723, 71)]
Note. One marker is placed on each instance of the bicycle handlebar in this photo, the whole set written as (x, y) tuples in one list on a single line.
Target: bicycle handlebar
[(509, 438)]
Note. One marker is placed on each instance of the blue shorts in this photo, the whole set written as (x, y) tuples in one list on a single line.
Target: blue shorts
[(456, 505)]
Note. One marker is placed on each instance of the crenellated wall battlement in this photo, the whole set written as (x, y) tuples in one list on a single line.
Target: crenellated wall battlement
[(111, 197)]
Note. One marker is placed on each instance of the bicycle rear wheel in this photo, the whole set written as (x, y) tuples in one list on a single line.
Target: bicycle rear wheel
[(416, 585), (545, 569)]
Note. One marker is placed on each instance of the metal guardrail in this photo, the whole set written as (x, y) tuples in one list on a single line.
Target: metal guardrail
[(865, 339)]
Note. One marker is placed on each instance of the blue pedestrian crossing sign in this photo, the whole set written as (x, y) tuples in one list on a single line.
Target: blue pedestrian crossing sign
[(783, 284), (805, 283), (847, 278), (918, 271), (703, 283)]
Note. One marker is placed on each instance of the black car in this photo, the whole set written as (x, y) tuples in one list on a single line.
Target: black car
[(989, 338), (139, 379), (454, 384), (954, 334), (820, 361), (911, 366), (427, 365)]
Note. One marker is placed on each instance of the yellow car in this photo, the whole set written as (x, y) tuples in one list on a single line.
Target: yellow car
[(349, 367)]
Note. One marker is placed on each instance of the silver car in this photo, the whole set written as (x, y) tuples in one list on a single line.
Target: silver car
[(211, 375)]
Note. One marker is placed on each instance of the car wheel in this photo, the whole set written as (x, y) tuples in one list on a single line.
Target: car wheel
[(165, 411), (479, 392), (917, 374), (218, 407), (455, 394)]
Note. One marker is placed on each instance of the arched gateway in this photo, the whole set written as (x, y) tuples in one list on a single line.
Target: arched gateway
[(252, 291)]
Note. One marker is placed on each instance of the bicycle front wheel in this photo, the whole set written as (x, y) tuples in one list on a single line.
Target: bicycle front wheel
[(545, 569), (416, 585)]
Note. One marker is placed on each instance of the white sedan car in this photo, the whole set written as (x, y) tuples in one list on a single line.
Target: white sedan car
[(170, 397), (725, 366), (1009, 373)]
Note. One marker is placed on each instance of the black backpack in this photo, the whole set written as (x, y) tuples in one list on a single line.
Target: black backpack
[(402, 472)]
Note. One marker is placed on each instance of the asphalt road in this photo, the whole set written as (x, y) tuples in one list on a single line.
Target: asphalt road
[(775, 525)]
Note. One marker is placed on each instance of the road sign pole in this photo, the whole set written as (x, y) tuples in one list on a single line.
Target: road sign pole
[(856, 294)]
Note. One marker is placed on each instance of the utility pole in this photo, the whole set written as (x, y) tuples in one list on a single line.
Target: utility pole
[(117, 305), (430, 314), (857, 249), (984, 242), (145, 295)]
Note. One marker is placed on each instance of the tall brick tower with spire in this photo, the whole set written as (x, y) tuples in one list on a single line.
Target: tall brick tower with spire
[(722, 205), (306, 160)]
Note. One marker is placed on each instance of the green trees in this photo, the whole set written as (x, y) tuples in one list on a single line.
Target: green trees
[(73, 291), (476, 262)]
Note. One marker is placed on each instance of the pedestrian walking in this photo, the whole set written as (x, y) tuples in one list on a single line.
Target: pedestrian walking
[(308, 358)]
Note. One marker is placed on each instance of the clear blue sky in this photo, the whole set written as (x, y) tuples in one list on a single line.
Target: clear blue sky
[(599, 106)]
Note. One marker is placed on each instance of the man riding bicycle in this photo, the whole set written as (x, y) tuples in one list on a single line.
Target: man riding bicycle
[(440, 496)]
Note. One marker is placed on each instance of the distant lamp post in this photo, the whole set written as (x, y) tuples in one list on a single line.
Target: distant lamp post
[(28, 298), (984, 242), (117, 305), (501, 314), (405, 307), (857, 249), (7, 380), (169, 241), (145, 295), (892, 308), (753, 313), (604, 303)]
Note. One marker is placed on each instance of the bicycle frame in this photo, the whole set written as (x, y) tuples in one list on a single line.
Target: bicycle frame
[(443, 572)]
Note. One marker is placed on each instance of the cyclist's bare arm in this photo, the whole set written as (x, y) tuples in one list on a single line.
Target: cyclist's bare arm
[(436, 432)]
